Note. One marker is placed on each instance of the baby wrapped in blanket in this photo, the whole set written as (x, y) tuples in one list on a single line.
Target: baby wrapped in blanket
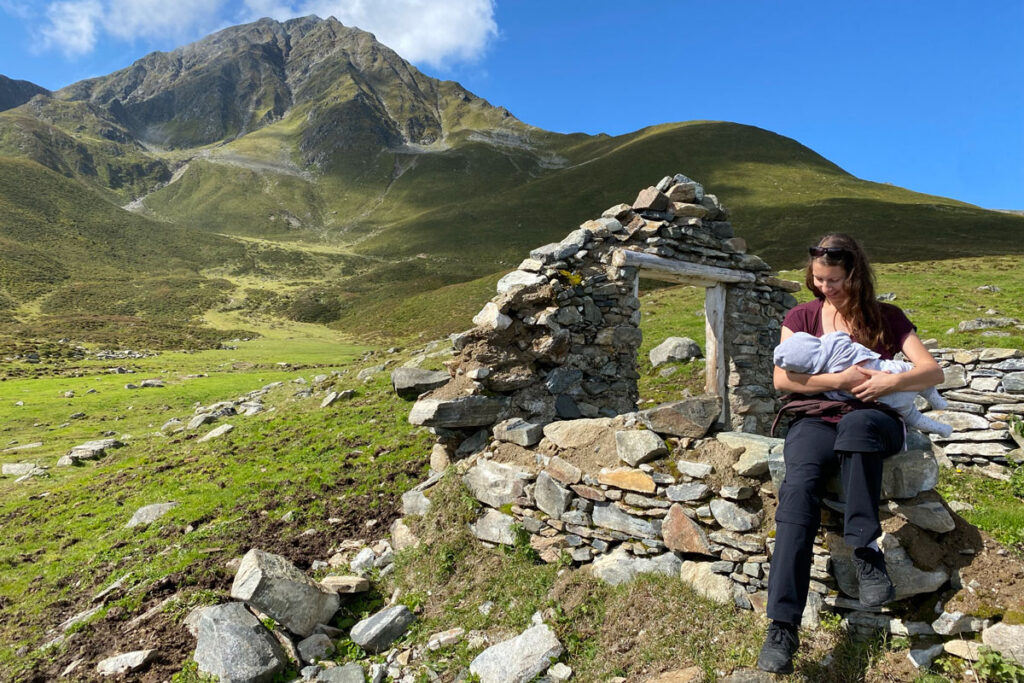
[(835, 352)]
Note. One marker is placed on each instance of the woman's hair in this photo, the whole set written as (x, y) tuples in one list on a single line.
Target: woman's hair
[(861, 309)]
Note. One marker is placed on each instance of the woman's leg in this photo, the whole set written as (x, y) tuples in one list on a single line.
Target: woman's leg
[(863, 439), (810, 460)]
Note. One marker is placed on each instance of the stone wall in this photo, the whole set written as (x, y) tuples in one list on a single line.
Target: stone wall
[(560, 339), (985, 391)]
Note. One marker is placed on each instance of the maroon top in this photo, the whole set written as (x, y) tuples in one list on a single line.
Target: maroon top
[(807, 318)]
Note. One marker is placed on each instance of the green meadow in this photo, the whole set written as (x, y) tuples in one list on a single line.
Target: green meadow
[(298, 479)]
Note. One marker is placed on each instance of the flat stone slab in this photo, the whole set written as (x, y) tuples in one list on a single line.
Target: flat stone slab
[(467, 411), (520, 659), (609, 516), (518, 431), (215, 432), (345, 584), (411, 382), (690, 417)]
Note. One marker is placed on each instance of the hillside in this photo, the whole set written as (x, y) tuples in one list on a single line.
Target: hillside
[(338, 183)]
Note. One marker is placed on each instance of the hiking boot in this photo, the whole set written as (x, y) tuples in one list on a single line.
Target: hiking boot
[(875, 586), (779, 647)]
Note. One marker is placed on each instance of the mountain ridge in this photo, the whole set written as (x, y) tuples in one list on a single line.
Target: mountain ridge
[(307, 135)]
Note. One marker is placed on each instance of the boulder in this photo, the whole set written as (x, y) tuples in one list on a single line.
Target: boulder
[(731, 516), (907, 474), (754, 460), (415, 503), (314, 648), (907, 579), (411, 382), (688, 493), (494, 527), (518, 431), (215, 432), (124, 663), (491, 317), (706, 582), (148, 514), (377, 632), (609, 516), (346, 673), (520, 278), (682, 534), (619, 566), (496, 484), (1006, 639), (234, 646), (551, 498), (273, 585), (345, 584), (520, 659), (675, 349), (690, 417), (466, 411), (930, 515), (697, 470), (638, 446)]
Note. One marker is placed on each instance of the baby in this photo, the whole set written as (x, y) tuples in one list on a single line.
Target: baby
[(835, 352)]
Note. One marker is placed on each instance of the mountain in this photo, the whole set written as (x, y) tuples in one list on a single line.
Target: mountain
[(15, 93), (352, 183)]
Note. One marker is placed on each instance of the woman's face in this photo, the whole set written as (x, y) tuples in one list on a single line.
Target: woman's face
[(830, 281)]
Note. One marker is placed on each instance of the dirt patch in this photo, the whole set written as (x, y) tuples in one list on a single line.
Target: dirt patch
[(513, 454), (457, 387), (721, 457)]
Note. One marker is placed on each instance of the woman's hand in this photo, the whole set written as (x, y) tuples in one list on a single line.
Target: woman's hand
[(875, 385), (851, 378)]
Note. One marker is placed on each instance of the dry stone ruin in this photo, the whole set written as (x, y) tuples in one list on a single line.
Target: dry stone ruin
[(540, 415)]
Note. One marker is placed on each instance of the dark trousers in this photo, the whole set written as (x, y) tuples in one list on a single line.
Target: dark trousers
[(814, 451)]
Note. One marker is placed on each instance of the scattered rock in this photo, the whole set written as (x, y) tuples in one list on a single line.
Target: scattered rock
[(520, 659), (271, 584), (215, 432), (124, 663), (150, 513), (377, 632), (411, 382), (234, 646), (675, 349)]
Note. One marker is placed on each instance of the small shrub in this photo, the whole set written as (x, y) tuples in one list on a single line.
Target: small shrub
[(995, 668)]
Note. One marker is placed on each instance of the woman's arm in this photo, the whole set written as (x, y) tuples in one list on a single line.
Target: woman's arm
[(925, 373), (787, 381)]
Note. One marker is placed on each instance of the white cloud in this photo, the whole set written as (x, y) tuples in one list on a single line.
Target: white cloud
[(434, 32), (72, 26), (75, 26), (131, 19)]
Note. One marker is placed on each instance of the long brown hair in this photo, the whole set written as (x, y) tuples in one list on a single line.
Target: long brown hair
[(861, 309)]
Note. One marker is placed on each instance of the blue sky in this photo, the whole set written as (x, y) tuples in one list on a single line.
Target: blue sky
[(925, 95)]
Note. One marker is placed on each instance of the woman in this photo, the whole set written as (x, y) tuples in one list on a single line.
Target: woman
[(852, 436)]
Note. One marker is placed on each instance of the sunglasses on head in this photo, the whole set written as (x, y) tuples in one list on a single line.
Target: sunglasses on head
[(818, 252)]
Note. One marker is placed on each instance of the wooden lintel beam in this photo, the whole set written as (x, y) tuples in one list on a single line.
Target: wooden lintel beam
[(659, 268)]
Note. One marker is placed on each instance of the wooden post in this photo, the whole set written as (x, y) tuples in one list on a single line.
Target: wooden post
[(716, 369)]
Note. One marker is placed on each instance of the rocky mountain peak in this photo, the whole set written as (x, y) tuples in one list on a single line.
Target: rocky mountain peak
[(244, 77)]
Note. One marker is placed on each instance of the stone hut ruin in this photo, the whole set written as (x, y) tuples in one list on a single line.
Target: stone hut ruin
[(560, 339), (540, 415)]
